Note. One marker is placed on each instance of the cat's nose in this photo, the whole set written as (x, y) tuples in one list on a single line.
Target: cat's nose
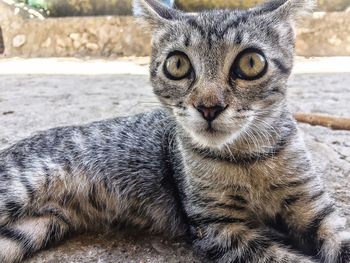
[(210, 113)]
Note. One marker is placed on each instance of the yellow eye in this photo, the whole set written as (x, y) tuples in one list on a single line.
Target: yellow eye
[(250, 64), (177, 66)]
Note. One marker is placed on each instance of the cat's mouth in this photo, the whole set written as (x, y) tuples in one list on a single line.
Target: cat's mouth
[(210, 128), (217, 133), (210, 136)]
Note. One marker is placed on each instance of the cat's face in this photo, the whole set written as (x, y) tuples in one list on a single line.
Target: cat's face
[(221, 73)]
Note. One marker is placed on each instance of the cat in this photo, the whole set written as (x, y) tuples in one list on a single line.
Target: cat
[(222, 163)]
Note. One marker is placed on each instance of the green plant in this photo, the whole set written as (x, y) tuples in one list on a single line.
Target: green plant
[(41, 4)]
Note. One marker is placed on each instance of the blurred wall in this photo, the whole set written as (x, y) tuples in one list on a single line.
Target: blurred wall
[(88, 7), (196, 5), (323, 34), (60, 8), (103, 36)]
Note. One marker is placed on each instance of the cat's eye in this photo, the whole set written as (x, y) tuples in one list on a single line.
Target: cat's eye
[(177, 66), (250, 64)]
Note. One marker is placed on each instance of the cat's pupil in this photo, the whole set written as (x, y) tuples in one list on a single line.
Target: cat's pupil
[(251, 62), (178, 63)]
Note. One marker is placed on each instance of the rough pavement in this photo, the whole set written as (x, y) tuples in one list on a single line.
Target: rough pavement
[(32, 103)]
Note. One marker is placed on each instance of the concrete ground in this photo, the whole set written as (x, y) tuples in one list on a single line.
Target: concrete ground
[(43, 93)]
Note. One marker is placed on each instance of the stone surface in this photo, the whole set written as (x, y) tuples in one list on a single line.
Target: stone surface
[(73, 37), (32, 103), (326, 34), (196, 5), (59, 8), (117, 36), (63, 8), (47, 43), (19, 41)]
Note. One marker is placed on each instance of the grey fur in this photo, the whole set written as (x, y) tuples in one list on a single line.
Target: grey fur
[(243, 191)]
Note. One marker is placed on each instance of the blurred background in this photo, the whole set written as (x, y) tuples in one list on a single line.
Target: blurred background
[(104, 28), (66, 62), (61, 8)]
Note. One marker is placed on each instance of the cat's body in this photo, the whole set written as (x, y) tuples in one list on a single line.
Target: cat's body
[(96, 175), (224, 165), (74, 178)]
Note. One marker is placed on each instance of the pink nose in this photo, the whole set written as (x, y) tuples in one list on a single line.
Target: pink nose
[(210, 113)]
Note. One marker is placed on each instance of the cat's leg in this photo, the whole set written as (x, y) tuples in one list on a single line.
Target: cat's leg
[(89, 176), (30, 234), (37, 201), (308, 216), (46, 194), (229, 240), (30, 219)]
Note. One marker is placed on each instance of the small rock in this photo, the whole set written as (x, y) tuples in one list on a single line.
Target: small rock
[(77, 43), (60, 43), (16, 11), (47, 43), (85, 38), (74, 36), (19, 40), (92, 46), (16, 25), (159, 247)]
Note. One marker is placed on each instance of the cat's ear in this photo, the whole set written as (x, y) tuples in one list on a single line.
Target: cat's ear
[(291, 10), (295, 9), (154, 13)]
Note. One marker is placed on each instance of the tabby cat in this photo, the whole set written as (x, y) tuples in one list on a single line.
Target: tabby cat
[(222, 164)]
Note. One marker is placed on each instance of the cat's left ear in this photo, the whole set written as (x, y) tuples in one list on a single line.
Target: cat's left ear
[(290, 10), (295, 9), (154, 13)]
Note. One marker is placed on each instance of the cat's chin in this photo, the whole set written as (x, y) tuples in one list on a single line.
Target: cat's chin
[(212, 138)]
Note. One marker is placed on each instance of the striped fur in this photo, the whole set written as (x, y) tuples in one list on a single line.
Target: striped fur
[(245, 191)]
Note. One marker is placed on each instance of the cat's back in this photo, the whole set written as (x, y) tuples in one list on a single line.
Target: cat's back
[(146, 127), (118, 146)]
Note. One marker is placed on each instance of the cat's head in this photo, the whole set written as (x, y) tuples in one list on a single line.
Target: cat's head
[(222, 72)]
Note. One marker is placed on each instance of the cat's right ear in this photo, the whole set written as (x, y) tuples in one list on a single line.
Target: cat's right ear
[(290, 10), (154, 13)]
